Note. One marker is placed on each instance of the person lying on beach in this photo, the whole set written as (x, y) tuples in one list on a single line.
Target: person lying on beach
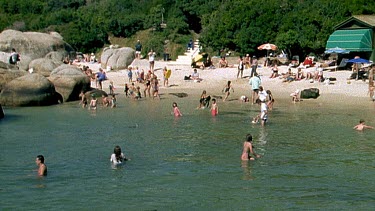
[(248, 149), (361, 126)]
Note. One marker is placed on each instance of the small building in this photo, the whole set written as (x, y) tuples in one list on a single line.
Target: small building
[(356, 36)]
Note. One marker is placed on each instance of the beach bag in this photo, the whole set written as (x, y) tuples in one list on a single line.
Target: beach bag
[(310, 93)]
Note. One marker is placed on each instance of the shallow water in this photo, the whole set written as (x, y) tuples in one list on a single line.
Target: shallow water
[(311, 157)]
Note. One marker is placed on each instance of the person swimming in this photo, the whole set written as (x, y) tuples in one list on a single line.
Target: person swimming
[(118, 157), (42, 168), (361, 126)]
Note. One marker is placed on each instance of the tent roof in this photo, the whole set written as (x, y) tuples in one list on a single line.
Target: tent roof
[(357, 21), (351, 40)]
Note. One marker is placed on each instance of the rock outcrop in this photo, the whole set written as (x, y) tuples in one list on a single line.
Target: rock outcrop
[(29, 90), (44, 66), (8, 73), (33, 45), (69, 81), (117, 59)]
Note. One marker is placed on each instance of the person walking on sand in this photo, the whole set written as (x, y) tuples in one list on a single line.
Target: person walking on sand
[(227, 89), (151, 59), (361, 126), (176, 110), (247, 150), (255, 84), (42, 168), (214, 108), (254, 65)]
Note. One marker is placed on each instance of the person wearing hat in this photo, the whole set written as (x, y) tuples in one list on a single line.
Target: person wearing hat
[(254, 65)]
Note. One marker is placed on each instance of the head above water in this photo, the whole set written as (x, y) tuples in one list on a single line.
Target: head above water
[(40, 158), (249, 137), (174, 104), (117, 150), (361, 121)]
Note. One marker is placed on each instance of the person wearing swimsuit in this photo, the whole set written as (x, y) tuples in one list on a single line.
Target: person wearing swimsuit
[(248, 149), (214, 108), (227, 89)]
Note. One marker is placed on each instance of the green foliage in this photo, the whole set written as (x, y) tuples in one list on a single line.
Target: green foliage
[(297, 26)]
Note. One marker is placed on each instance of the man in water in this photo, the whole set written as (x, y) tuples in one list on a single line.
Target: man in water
[(42, 170), (361, 126)]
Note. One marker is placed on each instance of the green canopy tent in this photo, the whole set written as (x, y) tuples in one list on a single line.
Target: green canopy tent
[(355, 40)]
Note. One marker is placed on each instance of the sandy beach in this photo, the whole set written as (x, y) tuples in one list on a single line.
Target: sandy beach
[(340, 91)]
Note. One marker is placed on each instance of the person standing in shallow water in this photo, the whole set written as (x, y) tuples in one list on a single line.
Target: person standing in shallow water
[(248, 149), (118, 157), (42, 168)]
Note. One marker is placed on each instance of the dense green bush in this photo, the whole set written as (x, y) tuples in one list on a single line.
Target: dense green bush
[(297, 26)]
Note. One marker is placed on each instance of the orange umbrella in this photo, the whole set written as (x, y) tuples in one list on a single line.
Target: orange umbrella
[(267, 46)]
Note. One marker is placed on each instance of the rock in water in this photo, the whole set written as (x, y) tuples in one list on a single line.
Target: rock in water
[(29, 90)]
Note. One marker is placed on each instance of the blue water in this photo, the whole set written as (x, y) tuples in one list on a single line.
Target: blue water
[(311, 157)]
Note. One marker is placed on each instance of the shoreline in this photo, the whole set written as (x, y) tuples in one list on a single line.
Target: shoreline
[(339, 92)]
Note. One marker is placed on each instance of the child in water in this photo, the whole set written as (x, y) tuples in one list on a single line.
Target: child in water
[(113, 101), (176, 111), (111, 88), (214, 108), (361, 126), (126, 90), (93, 103)]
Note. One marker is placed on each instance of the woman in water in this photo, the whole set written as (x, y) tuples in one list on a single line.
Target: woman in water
[(248, 149), (118, 157), (176, 111)]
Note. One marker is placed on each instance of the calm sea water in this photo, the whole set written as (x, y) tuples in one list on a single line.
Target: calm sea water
[(312, 159)]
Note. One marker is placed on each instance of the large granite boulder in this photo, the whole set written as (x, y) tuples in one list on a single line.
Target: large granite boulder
[(29, 90), (69, 81), (44, 66), (7, 76), (32, 45), (117, 59)]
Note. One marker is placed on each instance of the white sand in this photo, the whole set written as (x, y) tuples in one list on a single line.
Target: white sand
[(215, 79)]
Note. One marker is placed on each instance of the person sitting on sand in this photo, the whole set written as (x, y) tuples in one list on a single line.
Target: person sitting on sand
[(289, 76), (361, 126), (248, 149), (300, 74), (42, 168), (195, 76), (275, 71), (223, 63)]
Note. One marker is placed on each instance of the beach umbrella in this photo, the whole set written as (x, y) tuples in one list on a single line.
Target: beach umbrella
[(267, 46), (337, 50), (359, 60)]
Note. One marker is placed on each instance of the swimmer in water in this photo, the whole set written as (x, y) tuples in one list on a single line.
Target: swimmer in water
[(248, 149), (176, 111), (361, 126), (118, 157), (42, 168)]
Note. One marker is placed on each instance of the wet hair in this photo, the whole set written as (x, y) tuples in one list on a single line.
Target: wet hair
[(249, 137), (117, 152), (361, 121), (174, 104), (41, 158)]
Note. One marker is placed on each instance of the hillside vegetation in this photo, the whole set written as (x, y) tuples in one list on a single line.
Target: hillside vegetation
[(298, 26)]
